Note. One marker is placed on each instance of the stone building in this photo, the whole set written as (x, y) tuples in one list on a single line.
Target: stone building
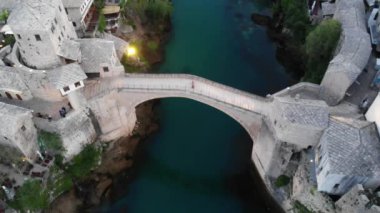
[(358, 200), (80, 13), (18, 136), (99, 58), (352, 53), (40, 27), (348, 154)]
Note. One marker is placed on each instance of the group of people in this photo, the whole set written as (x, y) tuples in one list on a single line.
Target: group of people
[(62, 112)]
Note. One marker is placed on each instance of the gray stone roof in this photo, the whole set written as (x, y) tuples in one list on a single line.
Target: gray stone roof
[(120, 44), (303, 112), (72, 3), (353, 51), (328, 8), (66, 75), (10, 116), (352, 146), (33, 15), (70, 49), (96, 52), (8, 4), (10, 79)]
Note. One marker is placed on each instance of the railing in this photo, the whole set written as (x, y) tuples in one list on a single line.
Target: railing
[(184, 85)]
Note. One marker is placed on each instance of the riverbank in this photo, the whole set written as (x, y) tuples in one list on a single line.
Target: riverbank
[(102, 185)]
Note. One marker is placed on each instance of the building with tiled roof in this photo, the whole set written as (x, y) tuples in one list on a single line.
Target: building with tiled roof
[(353, 51), (299, 121), (348, 154), (17, 132)]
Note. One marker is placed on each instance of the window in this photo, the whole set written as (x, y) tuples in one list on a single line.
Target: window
[(336, 186), (66, 88), (74, 24), (320, 169), (8, 95), (23, 128), (77, 84), (62, 35), (38, 37), (320, 158), (59, 7), (66, 11), (55, 21), (59, 38), (18, 97), (63, 27), (105, 69), (18, 36), (52, 28)]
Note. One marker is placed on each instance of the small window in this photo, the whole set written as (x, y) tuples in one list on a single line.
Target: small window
[(66, 11), (38, 37), (18, 36), (59, 7), (320, 169), (320, 158), (66, 88), (52, 28), (105, 69), (74, 24), (55, 21), (23, 128), (336, 186), (59, 38), (62, 35), (77, 84), (8, 95), (63, 27), (18, 97)]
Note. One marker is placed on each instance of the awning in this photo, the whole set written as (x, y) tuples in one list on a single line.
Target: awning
[(111, 9), (6, 30)]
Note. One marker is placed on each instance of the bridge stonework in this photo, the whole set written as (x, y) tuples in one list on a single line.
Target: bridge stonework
[(113, 101)]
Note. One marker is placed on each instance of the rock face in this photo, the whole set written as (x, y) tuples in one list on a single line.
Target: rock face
[(262, 19), (305, 191)]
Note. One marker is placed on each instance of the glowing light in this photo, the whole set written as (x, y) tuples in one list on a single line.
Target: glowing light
[(131, 51)]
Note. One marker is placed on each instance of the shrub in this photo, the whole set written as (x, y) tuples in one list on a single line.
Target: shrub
[(300, 208), (82, 164), (30, 197), (152, 45), (102, 23), (320, 46), (281, 181), (50, 141)]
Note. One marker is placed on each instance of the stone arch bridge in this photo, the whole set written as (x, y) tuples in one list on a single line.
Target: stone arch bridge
[(275, 123)]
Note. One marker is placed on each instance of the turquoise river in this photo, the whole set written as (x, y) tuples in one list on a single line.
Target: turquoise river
[(199, 160)]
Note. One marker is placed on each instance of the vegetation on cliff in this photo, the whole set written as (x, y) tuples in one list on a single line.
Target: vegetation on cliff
[(320, 46), (304, 49), (31, 196)]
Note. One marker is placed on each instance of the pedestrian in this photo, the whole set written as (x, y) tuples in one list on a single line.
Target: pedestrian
[(62, 113), (64, 110), (49, 118)]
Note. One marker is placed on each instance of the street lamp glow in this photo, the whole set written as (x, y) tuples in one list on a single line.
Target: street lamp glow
[(131, 51)]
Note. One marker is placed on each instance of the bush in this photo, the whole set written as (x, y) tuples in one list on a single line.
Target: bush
[(281, 181), (300, 208), (320, 46), (61, 184), (102, 23), (4, 15), (154, 10), (30, 197), (82, 164), (296, 18), (50, 141), (152, 45)]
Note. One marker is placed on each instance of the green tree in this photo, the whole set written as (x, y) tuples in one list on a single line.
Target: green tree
[(4, 15), (320, 46), (82, 164), (99, 4), (296, 18), (102, 23), (31, 196), (50, 141), (154, 10)]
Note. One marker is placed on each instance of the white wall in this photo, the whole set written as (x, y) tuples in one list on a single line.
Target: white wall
[(373, 113)]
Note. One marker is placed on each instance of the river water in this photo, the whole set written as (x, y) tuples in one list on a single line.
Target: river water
[(199, 161)]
